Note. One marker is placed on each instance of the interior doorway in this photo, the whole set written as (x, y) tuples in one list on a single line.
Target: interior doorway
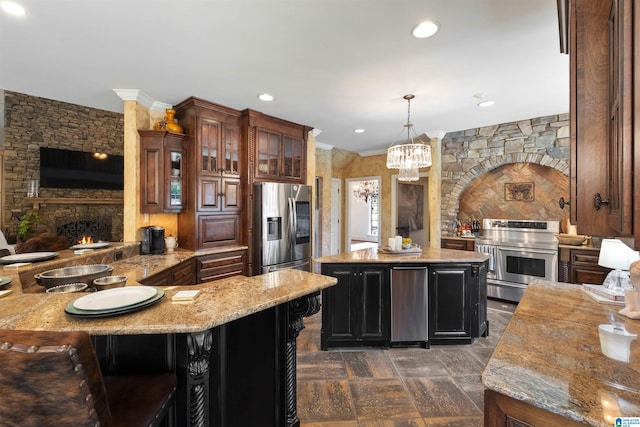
[(363, 213), (410, 209)]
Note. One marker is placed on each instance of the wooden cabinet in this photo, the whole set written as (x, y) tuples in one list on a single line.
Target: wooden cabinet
[(450, 296), (162, 171), (461, 244), (504, 411), (221, 265), (603, 96), (178, 275), (356, 310), (215, 207), (457, 303), (278, 148), (581, 266), (279, 156)]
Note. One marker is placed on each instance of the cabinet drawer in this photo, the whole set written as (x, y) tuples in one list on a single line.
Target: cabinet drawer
[(221, 265), (162, 278), (184, 273), (459, 244), (584, 257)]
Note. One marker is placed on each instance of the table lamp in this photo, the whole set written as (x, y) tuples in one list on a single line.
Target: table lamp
[(618, 256)]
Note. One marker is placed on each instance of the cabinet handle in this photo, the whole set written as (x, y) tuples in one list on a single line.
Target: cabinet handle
[(220, 194), (598, 201), (562, 203)]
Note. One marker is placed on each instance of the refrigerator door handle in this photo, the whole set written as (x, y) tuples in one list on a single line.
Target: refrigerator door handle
[(292, 222)]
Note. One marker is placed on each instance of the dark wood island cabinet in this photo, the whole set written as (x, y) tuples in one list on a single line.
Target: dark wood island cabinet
[(357, 311)]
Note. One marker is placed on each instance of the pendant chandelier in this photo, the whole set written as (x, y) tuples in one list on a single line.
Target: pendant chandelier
[(410, 156), (365, 190)]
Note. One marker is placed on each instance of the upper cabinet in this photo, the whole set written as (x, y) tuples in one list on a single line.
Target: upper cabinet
[(600, 37), (162, 171), (215, 191), (278, 148)]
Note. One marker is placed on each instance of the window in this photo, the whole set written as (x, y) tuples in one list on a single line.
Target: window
[(374, 214)]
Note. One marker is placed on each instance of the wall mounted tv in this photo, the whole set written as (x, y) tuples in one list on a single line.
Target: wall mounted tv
[(80, 169)]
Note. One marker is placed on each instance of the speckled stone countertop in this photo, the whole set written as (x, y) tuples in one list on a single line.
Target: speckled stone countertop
[(549, 356), (220, 301), (428, 255)]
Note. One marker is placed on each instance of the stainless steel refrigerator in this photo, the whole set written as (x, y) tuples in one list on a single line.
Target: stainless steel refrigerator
[(282, 228)]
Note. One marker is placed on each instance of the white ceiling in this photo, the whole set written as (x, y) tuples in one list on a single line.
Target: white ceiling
[(335, 65)]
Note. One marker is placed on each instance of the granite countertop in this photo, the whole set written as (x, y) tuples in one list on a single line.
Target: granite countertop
[(428, 255), (220, 301), (549, 356), (123, 257)]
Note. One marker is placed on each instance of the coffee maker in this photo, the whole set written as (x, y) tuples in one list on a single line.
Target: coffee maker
[(152, 240)]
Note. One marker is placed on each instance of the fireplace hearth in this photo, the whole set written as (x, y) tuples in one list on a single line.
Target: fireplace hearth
[(98, 229)]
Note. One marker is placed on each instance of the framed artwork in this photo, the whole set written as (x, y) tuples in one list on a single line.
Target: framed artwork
[(519, 191), (410, 206)]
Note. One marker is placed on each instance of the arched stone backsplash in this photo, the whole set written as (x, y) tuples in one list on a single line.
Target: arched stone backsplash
[(487, 196), (479, 154)]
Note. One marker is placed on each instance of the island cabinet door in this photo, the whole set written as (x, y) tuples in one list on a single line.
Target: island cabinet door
[(355, 312), (450, 303)]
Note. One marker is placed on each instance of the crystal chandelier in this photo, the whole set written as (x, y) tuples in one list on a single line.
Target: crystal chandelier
[(410, 156), (365, 190)]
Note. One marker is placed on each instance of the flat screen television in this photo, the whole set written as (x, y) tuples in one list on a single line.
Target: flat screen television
[(79, 169)]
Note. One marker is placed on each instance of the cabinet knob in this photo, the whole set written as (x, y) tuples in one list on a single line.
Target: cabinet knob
[(562, 203), (598, 201)]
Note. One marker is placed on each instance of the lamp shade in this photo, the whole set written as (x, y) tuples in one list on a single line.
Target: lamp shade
[(616, 255)]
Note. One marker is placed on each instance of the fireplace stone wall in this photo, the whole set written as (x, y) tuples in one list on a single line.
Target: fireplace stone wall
[(32, 122)]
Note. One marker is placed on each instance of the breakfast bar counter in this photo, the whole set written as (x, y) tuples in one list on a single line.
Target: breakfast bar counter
[(233, 347), (549, 369)]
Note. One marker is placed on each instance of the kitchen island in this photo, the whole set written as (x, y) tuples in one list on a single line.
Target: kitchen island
[(233, 347), (548, 368), (358, 311)]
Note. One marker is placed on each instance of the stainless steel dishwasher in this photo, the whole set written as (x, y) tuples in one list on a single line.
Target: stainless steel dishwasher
[(409, 309)]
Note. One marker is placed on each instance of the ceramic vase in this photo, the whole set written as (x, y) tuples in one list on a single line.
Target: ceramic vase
[(171, 123)]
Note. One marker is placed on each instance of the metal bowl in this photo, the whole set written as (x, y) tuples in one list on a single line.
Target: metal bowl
[(65, 289), (109, 282), (78, 274)]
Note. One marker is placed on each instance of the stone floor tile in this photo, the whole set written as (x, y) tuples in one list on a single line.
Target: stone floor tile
[(459, 361), (441, 397), (324, 401), (399, 422), (320, 365), (455, 422), (381, 399), (368, 364), (417, 362)]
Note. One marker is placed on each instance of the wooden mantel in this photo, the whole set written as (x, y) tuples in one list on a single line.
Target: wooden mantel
[(37, 201)]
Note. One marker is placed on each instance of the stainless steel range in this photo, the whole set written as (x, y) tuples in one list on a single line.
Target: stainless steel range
[(520, 251)]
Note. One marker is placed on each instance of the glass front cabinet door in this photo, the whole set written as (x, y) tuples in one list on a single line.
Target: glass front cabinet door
[(162, 171)]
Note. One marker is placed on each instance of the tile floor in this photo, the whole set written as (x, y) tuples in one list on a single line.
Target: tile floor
[(401, 387)]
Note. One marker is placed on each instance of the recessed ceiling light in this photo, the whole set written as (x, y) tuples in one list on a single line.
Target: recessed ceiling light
[(265, 97), (485, 104), (424, 30), (12, 8), (359, 130)]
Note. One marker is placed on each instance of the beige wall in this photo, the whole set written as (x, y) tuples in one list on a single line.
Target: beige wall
[(344, 164)]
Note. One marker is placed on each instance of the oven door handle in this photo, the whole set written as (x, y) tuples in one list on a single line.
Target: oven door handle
[(528, 251)]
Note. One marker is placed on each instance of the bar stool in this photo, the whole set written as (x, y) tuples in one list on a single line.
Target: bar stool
[(54, 379)]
